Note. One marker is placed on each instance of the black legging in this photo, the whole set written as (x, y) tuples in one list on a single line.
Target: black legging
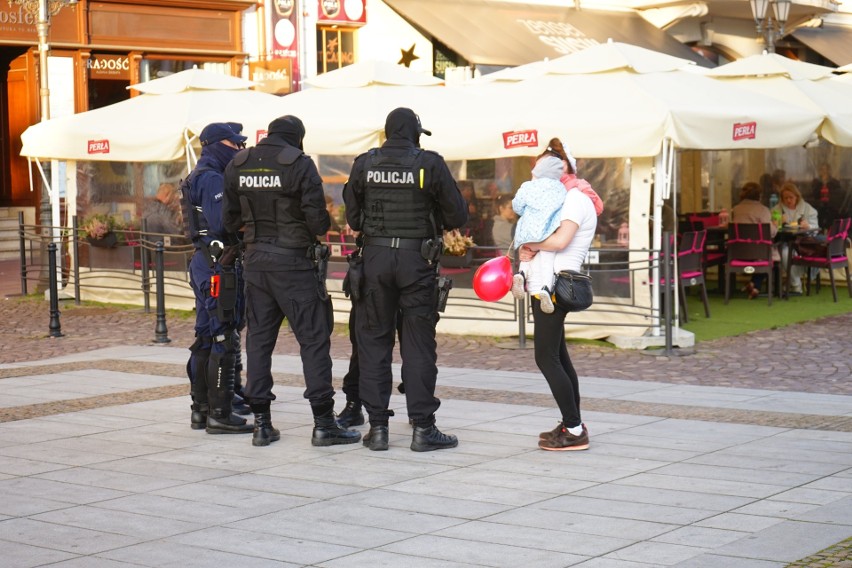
[(551, 356)]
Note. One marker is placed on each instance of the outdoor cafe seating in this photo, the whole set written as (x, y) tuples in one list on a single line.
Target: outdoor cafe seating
[(749, 251), (690, 268), (831, 254)]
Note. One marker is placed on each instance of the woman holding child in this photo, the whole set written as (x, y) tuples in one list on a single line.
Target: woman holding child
[(568, 247)]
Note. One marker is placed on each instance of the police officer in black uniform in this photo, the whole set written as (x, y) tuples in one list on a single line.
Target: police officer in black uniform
[(274, 193), (401, 198)]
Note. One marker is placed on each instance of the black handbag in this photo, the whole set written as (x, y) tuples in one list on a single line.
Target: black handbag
[(573, 291)]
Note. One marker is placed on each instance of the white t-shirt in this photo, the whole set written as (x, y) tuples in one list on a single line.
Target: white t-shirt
[(576, 207), (579, 208)]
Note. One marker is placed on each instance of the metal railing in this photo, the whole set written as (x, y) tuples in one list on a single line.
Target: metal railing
[(140, 261)]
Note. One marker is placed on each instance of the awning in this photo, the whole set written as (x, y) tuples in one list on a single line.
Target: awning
[(832, 42), (503, 34)]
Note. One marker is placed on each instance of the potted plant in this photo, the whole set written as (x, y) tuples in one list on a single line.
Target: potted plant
[(105, 231), (457, 253)]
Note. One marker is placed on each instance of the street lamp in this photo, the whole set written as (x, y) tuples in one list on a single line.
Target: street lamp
[(43, 10), (768, 26)]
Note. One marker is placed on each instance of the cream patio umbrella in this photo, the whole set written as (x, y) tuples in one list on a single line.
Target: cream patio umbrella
[(344, 110), (157, 126), (620, 100), (795, 82)]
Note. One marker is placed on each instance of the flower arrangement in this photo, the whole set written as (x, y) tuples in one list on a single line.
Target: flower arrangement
[(456, 244), (103, 227), (97, 226)]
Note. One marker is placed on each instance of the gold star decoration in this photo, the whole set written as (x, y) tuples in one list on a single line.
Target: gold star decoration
[(407, 56)]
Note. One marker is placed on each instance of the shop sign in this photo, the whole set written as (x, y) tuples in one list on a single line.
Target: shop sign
[(273, 76), (561, 36), (351, 12), (745, 131), (520, 139), (15, 18), (115, 67), (98, 147), (16, 24)]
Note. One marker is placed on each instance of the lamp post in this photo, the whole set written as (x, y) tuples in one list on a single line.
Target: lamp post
[(43, 10), (770, 26)]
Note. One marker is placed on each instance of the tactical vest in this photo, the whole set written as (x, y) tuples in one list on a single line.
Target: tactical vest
[(194, 223), (271, 207), (396, 201)]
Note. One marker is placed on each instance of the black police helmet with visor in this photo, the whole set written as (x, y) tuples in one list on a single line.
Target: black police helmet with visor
[(403, 123), (219, 131)]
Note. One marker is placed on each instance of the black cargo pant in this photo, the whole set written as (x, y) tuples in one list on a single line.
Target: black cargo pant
[(270, 297), (398, 283)]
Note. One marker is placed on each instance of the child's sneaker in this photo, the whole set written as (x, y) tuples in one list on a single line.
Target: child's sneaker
[(546, 300), (519, 286)]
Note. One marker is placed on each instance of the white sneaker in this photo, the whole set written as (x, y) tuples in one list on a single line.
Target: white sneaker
[(519, 286), (546, 300)]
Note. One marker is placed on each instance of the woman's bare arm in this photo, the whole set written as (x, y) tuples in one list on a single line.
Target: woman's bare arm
[(560, 238)]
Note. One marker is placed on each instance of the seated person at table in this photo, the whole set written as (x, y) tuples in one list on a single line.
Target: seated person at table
[(751, 210), (801, 215), (503, 227)]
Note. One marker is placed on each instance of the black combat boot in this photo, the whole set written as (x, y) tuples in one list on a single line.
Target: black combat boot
[(351, 415), (240, 403), (198, 418), (377, 438), (220, 382), (239, 406), (264, 432), (428, 438), (327, 432), (196, 370)]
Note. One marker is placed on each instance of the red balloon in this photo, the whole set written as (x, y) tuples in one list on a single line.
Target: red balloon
[(493, 279)]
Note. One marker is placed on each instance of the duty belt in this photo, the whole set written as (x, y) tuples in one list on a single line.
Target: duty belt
[(395, 242), (266, 247)]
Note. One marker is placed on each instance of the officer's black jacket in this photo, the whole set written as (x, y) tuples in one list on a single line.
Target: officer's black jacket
[(296, 204), (452, 209)]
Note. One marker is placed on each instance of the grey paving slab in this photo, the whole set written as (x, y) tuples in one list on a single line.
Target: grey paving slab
[(716, 560), (611, 563), (739, 521), (165, 554), (57, 490), (93, 562), (497, 555), (658, 494), (787, 541), (808, 495), (176, 471), (455, 506), (21, 555), (703, 537), (379, 559), (656, 553), (626, 510), (720, 487), (120, 481), (266, 546), (64, 538), (739, 474), (535, 538), (318, 529), (630, 529), (140, 527), (836, 513)]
